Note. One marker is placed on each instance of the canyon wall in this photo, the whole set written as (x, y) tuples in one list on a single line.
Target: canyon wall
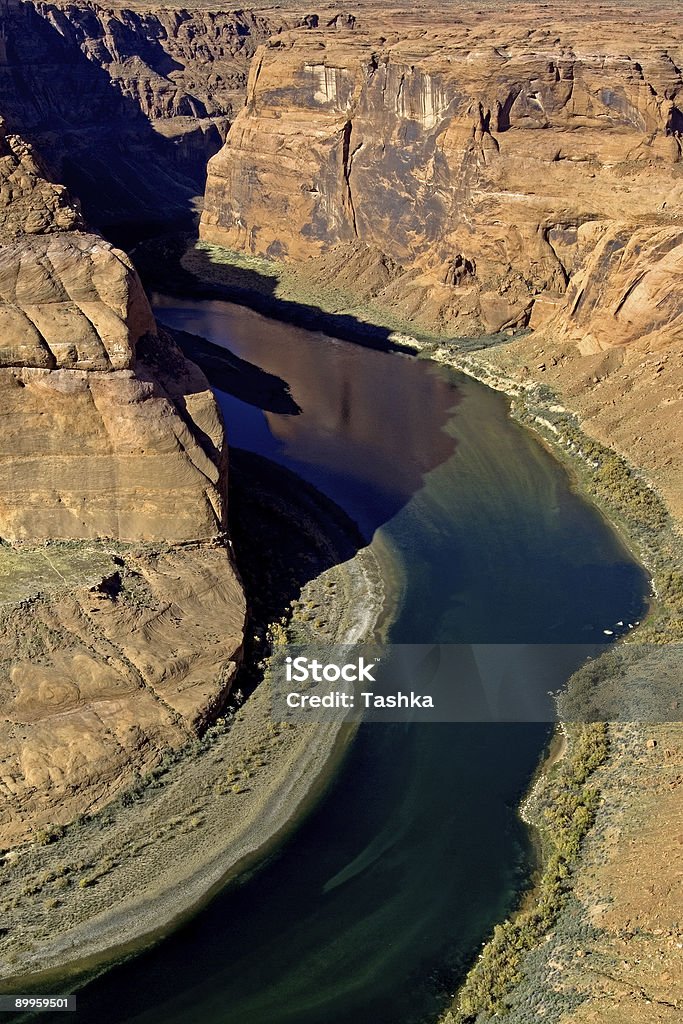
[(488, 160), (122, 615), (126, 106), (472, 169), (468, 170)]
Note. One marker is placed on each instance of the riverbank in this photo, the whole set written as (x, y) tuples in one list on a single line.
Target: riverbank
[(535, 963), (181, 265), (649, 527), (112, 883), (625, 488), (620, 489)]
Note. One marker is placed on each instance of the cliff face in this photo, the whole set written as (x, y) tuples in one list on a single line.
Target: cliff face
[(126, 106), (97, 440), (502, 167), (110, 652)]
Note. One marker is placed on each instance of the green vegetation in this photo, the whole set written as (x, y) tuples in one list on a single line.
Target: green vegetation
[(671, 589), (569, 809), (616, 483), (182, 265), (49, 834), (634, 507)]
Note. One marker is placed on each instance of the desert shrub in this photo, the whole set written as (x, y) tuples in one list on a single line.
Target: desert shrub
[(569, 813), (671, 587), (49, 834)]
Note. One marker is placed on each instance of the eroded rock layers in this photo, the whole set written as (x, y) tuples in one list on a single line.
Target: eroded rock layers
[(504, 168), (126, 106), (111, 443)]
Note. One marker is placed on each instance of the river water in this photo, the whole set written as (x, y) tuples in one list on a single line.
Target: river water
[(381, 898)]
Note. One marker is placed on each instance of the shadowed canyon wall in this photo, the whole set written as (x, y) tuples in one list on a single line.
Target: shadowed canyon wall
[(126, 106)]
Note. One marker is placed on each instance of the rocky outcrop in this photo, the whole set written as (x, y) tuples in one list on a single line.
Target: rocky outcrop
[(122, 641), (171, 63), (104, 92), (98, 683), (103, 435), (29, 204), (494, 160), (626, 288)]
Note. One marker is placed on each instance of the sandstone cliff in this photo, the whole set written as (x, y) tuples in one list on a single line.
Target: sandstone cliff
[(470, 169), (490, 162), (480, 171), (110, 653)]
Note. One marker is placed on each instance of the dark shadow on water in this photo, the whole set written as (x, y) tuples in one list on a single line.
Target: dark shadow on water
[(158, 261), (238, 377), (285, 533), (481, 518), (366, 444), (158, 255)]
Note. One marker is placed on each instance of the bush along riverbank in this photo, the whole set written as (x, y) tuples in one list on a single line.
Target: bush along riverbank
[(565, 806), (512, 975)]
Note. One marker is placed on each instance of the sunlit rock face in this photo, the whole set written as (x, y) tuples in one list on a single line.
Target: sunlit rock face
[(493, 157), (98, 438), (109, 435)]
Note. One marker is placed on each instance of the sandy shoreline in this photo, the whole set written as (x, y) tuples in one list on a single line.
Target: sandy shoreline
[(120, 881), (564, 939), (559, 428), (136, 923)]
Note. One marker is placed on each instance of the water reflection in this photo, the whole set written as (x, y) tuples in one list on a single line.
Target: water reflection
[(497, 545), (373, 424), (385, 894)]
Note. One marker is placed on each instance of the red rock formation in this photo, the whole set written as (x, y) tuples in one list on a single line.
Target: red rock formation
[(491, 156), (105, 91), (108, 656)]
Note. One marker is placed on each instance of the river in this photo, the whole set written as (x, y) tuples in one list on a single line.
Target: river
[(374, 907)]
